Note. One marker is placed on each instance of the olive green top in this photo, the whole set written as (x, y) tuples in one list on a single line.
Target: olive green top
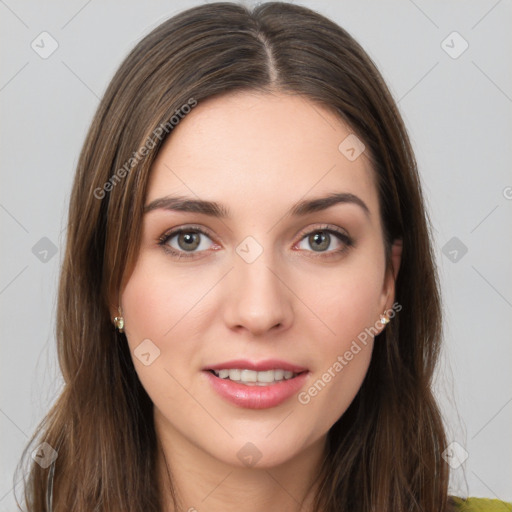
[(481, 505)]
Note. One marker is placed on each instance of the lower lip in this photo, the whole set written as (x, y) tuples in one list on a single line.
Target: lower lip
[(256, 397)]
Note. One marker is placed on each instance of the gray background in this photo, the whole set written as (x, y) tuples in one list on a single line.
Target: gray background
[(457, 110)]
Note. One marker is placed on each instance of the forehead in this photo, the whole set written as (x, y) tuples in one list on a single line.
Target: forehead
[(247, 147)]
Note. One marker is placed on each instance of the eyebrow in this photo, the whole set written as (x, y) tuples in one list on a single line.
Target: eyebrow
[(214, 209)]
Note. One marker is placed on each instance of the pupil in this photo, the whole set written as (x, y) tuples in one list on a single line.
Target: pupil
[(189, 239), (321, 240)]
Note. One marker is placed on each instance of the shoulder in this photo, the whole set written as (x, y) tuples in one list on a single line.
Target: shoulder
[(480, 505)]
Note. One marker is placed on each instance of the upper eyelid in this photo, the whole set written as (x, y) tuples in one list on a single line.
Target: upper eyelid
[(323, 227), (186, 228)]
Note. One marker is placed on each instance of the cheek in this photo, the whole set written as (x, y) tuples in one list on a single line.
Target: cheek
[(342, 362), (346, 301), (159, 319), (158, 309), (349, 306), (154, 302)]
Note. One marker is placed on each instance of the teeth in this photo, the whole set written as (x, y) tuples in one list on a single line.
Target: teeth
[(233, 374), (266, 376), (251, 377), (248, 376)]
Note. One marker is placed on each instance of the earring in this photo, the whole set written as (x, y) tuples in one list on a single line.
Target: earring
[(384, 319), (119, 321)]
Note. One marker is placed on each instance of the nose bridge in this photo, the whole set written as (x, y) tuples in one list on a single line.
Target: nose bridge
[(259, 300)]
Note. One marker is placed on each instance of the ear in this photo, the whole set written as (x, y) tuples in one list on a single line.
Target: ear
[(392, 274), (113, 311), (114, 305), (396, 256)]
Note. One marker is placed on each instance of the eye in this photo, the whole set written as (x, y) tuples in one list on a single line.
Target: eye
[(188, 241), (181, 241), (321, 239)]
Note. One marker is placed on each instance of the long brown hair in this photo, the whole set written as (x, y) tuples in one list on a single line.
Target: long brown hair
[(384, 453)]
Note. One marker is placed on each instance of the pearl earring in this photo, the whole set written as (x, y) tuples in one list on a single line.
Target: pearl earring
[(119, 321), (384, 319)]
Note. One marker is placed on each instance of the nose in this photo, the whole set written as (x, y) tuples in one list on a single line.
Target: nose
[(259, 300)]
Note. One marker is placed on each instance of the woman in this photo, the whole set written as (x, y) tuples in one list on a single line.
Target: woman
[(249, 315)]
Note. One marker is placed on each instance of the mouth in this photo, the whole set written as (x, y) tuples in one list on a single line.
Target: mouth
[(256, 385)]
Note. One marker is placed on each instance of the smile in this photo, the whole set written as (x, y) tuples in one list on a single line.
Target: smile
[(254, 378)]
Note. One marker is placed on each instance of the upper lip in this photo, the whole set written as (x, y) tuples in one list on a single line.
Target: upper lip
[(259, 366)]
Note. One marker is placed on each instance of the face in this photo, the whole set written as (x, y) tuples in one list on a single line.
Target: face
[(261, 287)]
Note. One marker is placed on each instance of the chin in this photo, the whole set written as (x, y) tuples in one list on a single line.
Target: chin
[(259, 450)]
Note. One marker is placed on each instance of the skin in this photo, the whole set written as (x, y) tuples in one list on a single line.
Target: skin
[(257, 154)]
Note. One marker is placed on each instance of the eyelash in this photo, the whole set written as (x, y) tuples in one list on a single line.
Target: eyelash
[(343, 237)]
